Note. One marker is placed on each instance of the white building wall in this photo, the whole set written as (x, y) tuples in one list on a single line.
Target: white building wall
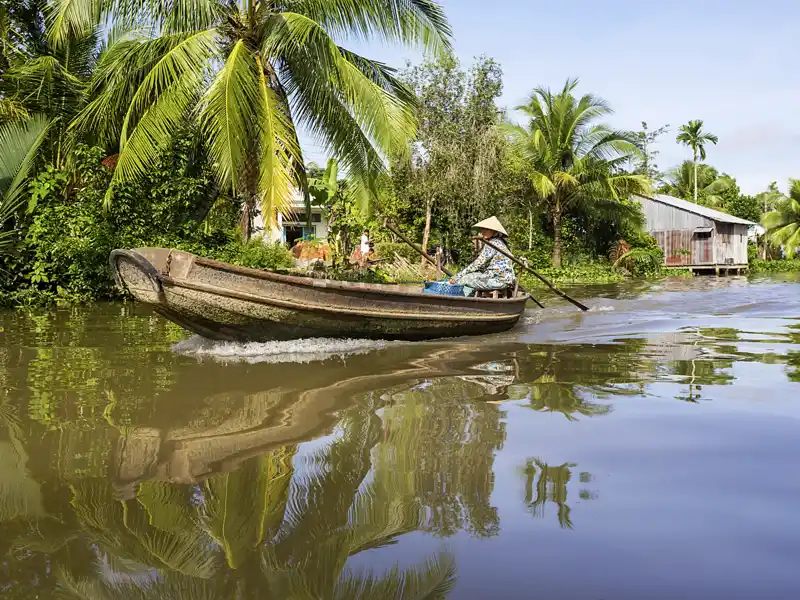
[(275, 234)]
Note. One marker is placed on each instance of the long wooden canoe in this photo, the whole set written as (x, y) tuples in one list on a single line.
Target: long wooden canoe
[(226, 302)]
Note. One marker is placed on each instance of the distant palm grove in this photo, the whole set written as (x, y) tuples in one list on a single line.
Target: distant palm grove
[(125, 124)]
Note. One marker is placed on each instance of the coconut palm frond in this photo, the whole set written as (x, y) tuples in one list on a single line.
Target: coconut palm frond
[(125, 528), (19, 146), (160, 104), (70, 587), (245, 508), (73, 19), (416, 22), (432, 581), (783, 223)]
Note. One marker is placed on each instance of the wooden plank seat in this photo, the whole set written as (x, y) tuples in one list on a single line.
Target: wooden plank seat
[(506, 292)]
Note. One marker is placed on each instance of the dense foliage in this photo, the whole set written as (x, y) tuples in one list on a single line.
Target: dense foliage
[(126, 124), (63, 253)]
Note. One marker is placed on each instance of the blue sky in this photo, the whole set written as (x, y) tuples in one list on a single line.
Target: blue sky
[(734, 64)]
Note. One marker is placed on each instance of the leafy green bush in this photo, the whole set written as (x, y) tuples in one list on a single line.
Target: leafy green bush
[(389, 249), (642, 239), (256, 255), (687, 273), (775, 266), (538, 258), (642, 262), (68, 235)]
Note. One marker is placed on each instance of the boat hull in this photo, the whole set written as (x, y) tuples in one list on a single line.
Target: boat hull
[(224, 302)]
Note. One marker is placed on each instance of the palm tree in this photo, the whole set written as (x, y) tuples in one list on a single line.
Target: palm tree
[(19, 144), (40, 78), (571, 161), (693, 136), (769, 199), (699, 181), (783, 223), (249, 72)]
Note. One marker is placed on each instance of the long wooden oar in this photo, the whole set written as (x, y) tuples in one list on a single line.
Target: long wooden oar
[(419, 250), (424, 254), (540, 277)]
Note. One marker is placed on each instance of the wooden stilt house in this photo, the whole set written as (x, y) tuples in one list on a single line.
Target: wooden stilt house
[(697, 237)]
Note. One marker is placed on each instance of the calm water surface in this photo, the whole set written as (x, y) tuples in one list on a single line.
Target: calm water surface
[(647, 449)]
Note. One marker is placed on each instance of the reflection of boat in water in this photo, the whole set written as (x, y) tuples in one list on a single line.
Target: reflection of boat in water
[(184, 452), (225, 302), (495, 379)]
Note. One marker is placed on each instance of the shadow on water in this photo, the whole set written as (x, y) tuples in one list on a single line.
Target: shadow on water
[(129, 469)]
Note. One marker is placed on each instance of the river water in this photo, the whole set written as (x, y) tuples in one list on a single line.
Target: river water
[(647, 449)]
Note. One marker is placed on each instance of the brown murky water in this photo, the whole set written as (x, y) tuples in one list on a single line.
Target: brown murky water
[(647, 449)]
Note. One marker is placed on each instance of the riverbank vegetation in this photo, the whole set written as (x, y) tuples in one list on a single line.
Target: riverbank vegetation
[(179, 128)]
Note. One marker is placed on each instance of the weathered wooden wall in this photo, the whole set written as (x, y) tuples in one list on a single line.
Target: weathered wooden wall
[(685, 248), (730, 242)]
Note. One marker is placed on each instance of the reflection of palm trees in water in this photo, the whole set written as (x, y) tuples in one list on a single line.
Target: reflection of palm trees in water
[(552, 389), (545, 483), (443, 446), (264, 530)]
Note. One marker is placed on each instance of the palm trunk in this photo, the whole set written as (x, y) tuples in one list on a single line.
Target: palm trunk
[(246, 223), (530, 229), (250, 202), (426, 234), (695, 176), (557, 236)]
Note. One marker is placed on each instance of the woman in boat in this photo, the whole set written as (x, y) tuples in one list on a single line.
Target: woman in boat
[(491, 270)]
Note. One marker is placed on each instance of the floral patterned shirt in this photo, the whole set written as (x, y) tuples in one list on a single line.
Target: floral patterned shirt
[(492, 264)]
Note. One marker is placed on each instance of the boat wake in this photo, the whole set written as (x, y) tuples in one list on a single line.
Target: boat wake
[(295, 351)]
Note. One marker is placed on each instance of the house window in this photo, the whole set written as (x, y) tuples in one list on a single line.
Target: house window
[(301, 218), (703, 233)]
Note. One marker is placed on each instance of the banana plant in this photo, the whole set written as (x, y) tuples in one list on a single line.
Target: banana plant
[(19, 145)]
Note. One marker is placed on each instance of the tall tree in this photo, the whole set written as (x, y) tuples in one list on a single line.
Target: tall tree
[(571, 160), (693, 136), (783, 223), (452, 166), (646, 163), (250, 72)]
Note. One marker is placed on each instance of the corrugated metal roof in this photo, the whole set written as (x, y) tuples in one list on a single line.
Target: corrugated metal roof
[(697, 209)]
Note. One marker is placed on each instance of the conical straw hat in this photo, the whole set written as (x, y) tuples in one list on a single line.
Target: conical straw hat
[(491, 223)]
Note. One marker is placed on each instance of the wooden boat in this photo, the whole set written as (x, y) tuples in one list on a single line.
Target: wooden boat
[(226, 302)]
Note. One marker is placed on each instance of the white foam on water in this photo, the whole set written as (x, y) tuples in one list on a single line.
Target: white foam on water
[(300, 351), (601, 308)]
